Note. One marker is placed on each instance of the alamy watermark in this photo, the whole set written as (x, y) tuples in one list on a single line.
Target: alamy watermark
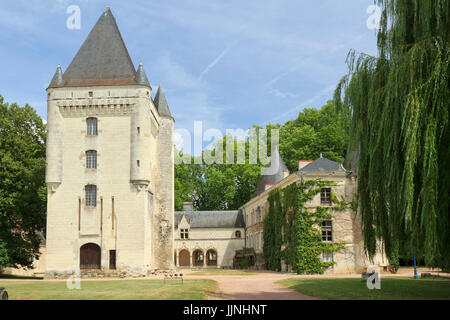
[(374, 279), (237, 146), (373, 22), (74, 280), (73, 22)]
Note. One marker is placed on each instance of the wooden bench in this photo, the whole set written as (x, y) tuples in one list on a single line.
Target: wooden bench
[(173, 276)]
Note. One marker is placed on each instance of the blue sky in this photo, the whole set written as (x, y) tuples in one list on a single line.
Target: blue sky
[(228, 63)]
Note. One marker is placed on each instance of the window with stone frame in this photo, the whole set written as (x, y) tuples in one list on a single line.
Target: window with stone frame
[(237, 234), (92, 128), (327, 256), (91, 159), (325, 196), (327, 230), (184, 233), (91, 195)]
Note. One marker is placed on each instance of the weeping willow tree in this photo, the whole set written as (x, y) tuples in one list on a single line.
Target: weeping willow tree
[(399, 102)]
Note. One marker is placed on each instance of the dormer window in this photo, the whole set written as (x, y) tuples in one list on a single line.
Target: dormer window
[(91, 94), (184, 233), (237, 234)]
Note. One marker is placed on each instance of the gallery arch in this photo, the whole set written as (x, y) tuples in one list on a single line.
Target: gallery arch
[(198, 258), (211, 257)]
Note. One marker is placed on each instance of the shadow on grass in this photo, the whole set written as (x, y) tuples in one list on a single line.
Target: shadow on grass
[(12, 276)]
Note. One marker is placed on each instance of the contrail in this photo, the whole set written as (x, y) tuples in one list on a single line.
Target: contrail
[(216, 61)]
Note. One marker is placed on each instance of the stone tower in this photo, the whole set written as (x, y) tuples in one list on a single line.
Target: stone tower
[(109, 162)]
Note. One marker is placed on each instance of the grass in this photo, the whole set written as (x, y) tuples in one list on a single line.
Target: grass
[(219, 272), (111, 290), (355, 289)]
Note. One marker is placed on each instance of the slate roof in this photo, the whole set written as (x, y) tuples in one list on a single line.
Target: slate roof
[(57, 80), (103, 59), (211, 219), (271, 175), (323, 165), (141, 77), (161, 103)]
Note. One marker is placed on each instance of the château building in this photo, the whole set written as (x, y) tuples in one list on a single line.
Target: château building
[(109, 168)]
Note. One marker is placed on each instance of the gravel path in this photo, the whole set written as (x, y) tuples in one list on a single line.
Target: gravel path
[(252, 287)]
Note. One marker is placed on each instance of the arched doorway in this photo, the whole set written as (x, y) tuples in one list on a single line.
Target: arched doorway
[(90, 256), (183, 258), (198, 258), (211, 257)]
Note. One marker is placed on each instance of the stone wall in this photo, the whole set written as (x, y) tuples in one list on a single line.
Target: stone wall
[(163, 220), (346, 223), (122, 219), (222, 240)]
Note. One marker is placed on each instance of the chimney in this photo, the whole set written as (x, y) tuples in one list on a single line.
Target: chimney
[(188, 206), (303, 163)]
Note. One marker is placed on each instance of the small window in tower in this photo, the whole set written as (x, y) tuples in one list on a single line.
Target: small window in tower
[(138, 163), (91, 159), (138, 130), (91, 126), (91, 195), (91, 94)]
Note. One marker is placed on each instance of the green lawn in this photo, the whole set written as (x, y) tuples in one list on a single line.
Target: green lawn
[(218, 272), (111, 290), (355, 289)]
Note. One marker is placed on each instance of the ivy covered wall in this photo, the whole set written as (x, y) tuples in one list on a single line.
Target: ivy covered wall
[(292, 230)]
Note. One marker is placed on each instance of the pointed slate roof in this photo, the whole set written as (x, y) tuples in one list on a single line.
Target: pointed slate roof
[(272, 174), (161, 103), (141, 77), (57, 80), (323, 165), (103, 59)]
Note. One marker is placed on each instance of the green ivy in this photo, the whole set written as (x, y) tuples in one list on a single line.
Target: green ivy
[(291, 231)]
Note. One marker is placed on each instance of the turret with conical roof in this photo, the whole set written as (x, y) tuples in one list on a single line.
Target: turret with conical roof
[(161, 103), (273, 173), (57, 80), (141, 77)]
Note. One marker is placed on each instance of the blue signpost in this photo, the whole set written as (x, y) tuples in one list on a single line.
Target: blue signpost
[(416, 276)]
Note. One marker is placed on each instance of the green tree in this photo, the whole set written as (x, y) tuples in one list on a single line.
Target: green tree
[(22, 184), (399, 103), (314, 132), (216, 186)]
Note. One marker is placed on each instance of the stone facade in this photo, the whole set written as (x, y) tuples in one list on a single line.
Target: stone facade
[(131, 221), (346, 224), (215, 241)]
